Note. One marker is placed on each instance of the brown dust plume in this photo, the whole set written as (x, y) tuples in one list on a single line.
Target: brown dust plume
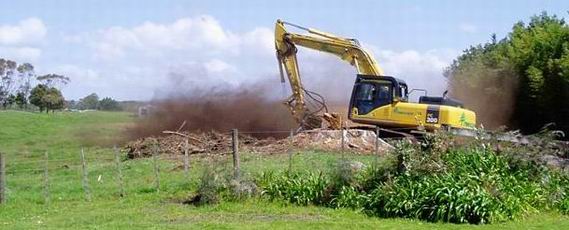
[(247, 109), (490, 92)]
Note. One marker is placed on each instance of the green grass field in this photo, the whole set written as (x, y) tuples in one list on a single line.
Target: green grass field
[(25, 137)]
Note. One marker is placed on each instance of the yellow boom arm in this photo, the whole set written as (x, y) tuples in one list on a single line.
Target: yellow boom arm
[(346, 49)]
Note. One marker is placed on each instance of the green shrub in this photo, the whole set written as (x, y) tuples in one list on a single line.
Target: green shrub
[(475, 185), (563, 206), (296, 188), (212, 184), (217, 184), (349, 197), (434, 198)]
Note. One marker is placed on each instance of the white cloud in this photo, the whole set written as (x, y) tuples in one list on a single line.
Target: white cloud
[(422, 70), (19, 42), (468, 28), (201, 34), (84, 81), (198, 52), (20, 54), (79, 74), (197, 49), (260, 40), (27, 31)]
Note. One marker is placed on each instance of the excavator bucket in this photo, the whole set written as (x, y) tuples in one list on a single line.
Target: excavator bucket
[(334, 120)]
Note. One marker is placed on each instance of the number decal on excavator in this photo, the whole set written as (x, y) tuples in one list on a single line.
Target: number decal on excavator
[(432, 115)]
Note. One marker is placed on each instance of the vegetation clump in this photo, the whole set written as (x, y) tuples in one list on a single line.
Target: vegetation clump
[(217, 184), (520, 80), (433, 181)]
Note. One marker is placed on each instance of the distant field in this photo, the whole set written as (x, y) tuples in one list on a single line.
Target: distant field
[(25, 137)]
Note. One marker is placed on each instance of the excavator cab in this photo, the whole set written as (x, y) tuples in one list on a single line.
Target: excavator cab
[(371, 92)]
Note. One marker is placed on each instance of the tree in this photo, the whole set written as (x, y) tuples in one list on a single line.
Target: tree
[(524, 76), (91, 101), (109, 104), (15, 79), (9, 101), (72, 104), (53, 99), (7, 79), (21, 99), (26, 74), (53, 80), (16, 86), (36, 96)]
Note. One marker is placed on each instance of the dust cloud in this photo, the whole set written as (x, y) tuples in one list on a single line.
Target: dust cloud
[(247, 108), (491, 93)]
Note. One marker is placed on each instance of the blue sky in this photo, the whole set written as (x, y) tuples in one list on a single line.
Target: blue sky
[(139, 49)]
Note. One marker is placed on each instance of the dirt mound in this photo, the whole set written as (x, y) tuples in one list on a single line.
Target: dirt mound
[(213, 142)]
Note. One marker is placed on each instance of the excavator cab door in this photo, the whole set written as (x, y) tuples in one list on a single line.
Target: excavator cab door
[(371, 95)]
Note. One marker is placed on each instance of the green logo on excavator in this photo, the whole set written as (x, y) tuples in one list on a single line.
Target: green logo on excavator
[(464, 122), (396, 110)]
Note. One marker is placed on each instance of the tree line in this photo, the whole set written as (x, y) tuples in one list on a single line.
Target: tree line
[(21, 87), (520, 81), (92, 102)]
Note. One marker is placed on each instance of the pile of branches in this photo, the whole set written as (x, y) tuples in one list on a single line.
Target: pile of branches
[(210, 142), (174, 143)]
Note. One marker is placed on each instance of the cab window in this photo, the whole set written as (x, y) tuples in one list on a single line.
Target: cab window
[(384, 95), (366, 92), (370, 96), (403, 92)]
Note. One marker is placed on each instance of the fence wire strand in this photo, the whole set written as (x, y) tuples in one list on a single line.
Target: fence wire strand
[(138, 175)]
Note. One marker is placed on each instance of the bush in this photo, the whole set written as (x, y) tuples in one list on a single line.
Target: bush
[(296, 188), (217, 184), (349, 197), (211, 186), (435, 198)]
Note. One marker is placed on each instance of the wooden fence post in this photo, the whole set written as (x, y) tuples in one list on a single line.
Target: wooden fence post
[(291, 150), (343, 138), (85, 175), (186, 160), (235, 145), (119, 172), (377, 141), (2, 179), (156, 168), (343, 133), (46, 179)]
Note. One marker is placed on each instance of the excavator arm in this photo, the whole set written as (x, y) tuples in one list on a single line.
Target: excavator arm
[(346, 49)]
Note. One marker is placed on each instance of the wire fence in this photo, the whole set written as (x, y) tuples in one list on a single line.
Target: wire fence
[(91, 174)]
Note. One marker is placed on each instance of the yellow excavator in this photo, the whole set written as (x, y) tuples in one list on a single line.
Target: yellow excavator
[(376, 99)]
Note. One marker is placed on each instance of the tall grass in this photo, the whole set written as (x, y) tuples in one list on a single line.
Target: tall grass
[(434, 182)]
